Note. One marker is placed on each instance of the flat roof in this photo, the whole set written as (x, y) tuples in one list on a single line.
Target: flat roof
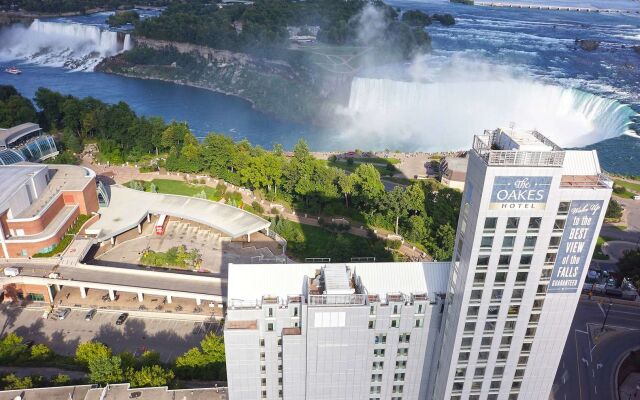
[(250, 282), (127, 207)]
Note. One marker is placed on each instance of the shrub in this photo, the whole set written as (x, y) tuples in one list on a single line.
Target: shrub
[(12, 382), (41, 352), (60, 380), (332, 158), (257, 207), (221, 188), (275, 210), (11, 347), (393, 244)]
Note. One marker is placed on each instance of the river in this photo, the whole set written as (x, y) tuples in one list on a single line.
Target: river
[(539, 45)]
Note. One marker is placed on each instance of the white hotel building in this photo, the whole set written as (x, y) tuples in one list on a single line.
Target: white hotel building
[(491, 324)]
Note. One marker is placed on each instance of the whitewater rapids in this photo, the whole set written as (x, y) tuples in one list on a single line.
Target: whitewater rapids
[(58, 44), (384, 113)]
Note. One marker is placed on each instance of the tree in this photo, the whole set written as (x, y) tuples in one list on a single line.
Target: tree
[(445, 240), (396, 203), (40, 352), (208, 361), (174, 135), (614, 210), (13, 382), (149, 376), (11, 347), (346, 185), (629, 264), (16, 110), (88, 351), (104, 370), (368, 185)]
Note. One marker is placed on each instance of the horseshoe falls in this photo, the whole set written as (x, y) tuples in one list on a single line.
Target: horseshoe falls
[(60, 44), (444, 116)]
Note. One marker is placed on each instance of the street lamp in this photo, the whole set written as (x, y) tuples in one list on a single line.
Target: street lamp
[(606, 315)]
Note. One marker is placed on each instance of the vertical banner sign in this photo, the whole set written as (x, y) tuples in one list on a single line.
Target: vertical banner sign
[(575, 244)]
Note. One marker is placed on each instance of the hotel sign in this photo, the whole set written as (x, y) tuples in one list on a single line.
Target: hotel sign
[(575, 244), (520, 192)]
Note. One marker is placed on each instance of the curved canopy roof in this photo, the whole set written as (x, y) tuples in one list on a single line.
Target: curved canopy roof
[(127, 207)]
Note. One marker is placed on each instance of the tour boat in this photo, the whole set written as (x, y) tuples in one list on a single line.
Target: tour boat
[(13, 71)]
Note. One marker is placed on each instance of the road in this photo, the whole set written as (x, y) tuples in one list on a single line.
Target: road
[(587, 369)]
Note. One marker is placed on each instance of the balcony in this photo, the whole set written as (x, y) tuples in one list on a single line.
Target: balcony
[(588, 181), (337, 300)]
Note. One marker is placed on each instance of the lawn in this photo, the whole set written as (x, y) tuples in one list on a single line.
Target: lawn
[(633, 186), (66, 239), (597, 252), (305, 241), (377, 160), (352, 167), (169, 186)]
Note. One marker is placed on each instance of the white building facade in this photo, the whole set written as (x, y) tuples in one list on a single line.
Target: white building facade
[(530, 216), (490, 325)]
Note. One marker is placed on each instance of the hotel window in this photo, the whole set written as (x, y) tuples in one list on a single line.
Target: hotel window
[(508, 242), (530, 242), (397, 389), (558, 225), (395, 323), (486, 242), (262, 356), (405, 338), (460, 372), (516, 385), (512, 223), (399, 377), (501, 277), (376, 378), (264, 394), (380, 339), (534, 318), (493, 311), (270, 312), (372, 310), (517, 294), (466, 342), (513, 310), (420, 309), (489, 326), (378, 365), (483, 356), (403, 351), (479, 372), (396, 309), (295, 311), (378, 352), (521, 276), (263, 368), (519, 373), (270, 327), (496, 294), (554, 242), (263, 382), (526, 347), (419, 323), (530, 333), (506, 341), (490, 223), (476, 294), (542, 289), (498, 371), (463, 356), (473, 311), (502, 355), (534, 223), (486, 341), (563, 208), (372, 324), (509, 326), (550, 258), (375, 390), (505, 259), (525, 259), (457, 386), (261, 342), (483, 260), (401, 364), (479, 277), (469, 327), (495, 384)]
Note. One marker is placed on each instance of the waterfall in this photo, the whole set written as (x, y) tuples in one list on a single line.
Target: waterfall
[(445, 116), (70, 45)]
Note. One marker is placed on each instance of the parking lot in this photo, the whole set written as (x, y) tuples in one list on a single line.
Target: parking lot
[(169, 337)]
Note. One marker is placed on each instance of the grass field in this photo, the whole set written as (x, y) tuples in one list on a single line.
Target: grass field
[(169, 186), (597, 252), (352, 167), (305, 241), (630, 186)]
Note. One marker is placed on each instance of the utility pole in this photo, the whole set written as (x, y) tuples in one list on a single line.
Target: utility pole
[(606, 315)]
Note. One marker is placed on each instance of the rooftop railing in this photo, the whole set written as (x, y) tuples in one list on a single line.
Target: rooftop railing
[(486, 147), (337, 300)]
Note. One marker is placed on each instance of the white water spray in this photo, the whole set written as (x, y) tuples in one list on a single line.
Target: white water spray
[(69, 45), (444, 116)]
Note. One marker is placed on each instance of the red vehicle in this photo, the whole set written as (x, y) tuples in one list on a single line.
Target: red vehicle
[(161, 225)]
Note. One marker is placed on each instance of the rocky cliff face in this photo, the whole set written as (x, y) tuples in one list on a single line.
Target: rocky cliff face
[(287, 90)]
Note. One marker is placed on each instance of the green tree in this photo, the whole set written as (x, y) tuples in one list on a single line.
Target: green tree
[(445, 239), (368, 186), (208, 361), (614, 210), (149, 376), (104, 370), (60, 380), (13, 382), (41, 352), (88, 351), (346, 184), (629, 264), (11, 347)]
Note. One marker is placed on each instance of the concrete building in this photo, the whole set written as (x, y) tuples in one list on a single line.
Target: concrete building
[(39, 203), (496, 330), (453, 171), (529, 219), (25, 142), (334, 331)]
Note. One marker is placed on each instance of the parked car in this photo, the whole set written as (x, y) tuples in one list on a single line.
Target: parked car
[(90, 314), (123, 317), (11, 271), (61, 313)]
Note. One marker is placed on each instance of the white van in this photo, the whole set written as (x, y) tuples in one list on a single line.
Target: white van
[(11, 271), (636, 197)]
